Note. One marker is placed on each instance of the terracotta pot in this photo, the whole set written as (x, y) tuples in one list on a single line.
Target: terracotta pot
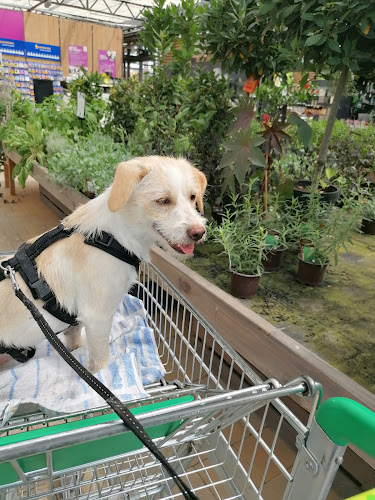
[(368, 226), (309, 273), (244, 286), (274, 259)]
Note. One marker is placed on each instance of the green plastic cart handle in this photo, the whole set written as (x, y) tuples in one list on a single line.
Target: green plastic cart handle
[(367, 495), (346, 421)]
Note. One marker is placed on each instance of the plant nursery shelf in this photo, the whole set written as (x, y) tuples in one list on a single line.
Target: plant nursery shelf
[(269, 350)]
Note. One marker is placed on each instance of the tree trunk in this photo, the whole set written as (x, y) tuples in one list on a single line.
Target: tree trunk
[(330, 123)]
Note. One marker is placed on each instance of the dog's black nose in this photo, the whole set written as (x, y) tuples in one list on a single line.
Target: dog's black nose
[(196, 232)]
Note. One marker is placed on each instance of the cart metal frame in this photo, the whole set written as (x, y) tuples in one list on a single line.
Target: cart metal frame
[(226, 443)]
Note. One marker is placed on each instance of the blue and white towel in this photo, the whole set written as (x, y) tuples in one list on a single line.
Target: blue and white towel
[(48, 382)]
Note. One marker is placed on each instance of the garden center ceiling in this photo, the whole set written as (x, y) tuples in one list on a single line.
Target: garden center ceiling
[(117, 13)]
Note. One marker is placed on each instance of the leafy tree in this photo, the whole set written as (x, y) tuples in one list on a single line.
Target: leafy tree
[(332, 36), (234, 35), (172, 28)]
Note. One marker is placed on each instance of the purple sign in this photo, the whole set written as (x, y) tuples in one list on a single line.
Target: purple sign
[(77, 57), (11, 25), (107, 62)]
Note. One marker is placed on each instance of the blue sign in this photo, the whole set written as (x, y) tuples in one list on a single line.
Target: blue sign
[(41, 51), (12, 47)]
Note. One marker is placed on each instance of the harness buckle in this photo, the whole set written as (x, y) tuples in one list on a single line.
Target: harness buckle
[(10, 273), (101, 241)]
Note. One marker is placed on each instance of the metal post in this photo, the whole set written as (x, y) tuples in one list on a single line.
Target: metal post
[(315, 467)]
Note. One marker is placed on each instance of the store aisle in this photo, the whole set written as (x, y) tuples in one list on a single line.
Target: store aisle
[(22, 216)]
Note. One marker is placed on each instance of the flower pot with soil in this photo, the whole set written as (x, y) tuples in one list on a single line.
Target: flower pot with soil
[(244, 286), (245, 249), (274, 252), (323, 233), (368, 212), (368, 226), (310, 273), (328, 194)]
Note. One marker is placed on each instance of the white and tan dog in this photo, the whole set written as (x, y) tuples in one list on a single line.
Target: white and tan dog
[(152, 199)]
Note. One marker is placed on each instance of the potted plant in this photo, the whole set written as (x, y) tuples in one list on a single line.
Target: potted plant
[(368, 213), (324, 231), (326, 190), (276, 223), (275, 248), (246, 250)]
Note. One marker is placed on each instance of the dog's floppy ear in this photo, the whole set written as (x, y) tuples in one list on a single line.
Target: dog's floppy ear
[(202, 183), (127, 175)]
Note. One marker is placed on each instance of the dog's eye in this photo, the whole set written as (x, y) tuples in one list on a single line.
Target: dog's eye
[(163, 201), (193, 197)]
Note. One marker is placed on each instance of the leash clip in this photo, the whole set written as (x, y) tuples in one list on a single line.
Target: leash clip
[(9, 273)]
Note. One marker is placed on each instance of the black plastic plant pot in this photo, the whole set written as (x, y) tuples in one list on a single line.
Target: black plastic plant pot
[(301, 190), (274, 259), (244, 286), (310, 273), (368, 226), (217, 213)]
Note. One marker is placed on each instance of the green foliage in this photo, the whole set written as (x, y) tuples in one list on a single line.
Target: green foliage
[(243, 234), (329, 34), (161, 127), (88, 83), (243, 152), (234, 36), (272, 98), (182, 117), (325, 228), (28, 141), (55, 142), (29, 127), (172, 28), (54, 113), (94, 157), (351, 153), (207, 110), (123, 107), (156, 35), (367, 203), (4, 99), (244, 246)]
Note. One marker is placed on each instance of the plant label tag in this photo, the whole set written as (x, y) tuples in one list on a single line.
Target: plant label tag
[(80, 104)]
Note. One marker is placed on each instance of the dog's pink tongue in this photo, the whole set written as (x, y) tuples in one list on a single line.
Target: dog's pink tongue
[(187, 248)]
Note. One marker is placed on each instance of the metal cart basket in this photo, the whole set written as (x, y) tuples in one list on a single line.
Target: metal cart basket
[(218, 423)]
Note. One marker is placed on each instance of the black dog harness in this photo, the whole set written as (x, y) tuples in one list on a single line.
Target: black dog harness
[(24, 262)]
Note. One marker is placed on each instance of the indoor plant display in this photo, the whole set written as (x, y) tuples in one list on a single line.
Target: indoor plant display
[(246, 250)]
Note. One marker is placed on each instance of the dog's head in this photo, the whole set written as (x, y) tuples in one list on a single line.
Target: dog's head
[(162, 194)]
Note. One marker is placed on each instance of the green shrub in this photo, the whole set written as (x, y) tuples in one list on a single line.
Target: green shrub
[(93, 158), (124, 109), (89, 84)]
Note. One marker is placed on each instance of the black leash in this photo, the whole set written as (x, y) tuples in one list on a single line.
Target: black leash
[(119, 408)]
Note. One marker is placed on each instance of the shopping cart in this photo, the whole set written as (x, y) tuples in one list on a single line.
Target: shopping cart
[(219, 424)]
